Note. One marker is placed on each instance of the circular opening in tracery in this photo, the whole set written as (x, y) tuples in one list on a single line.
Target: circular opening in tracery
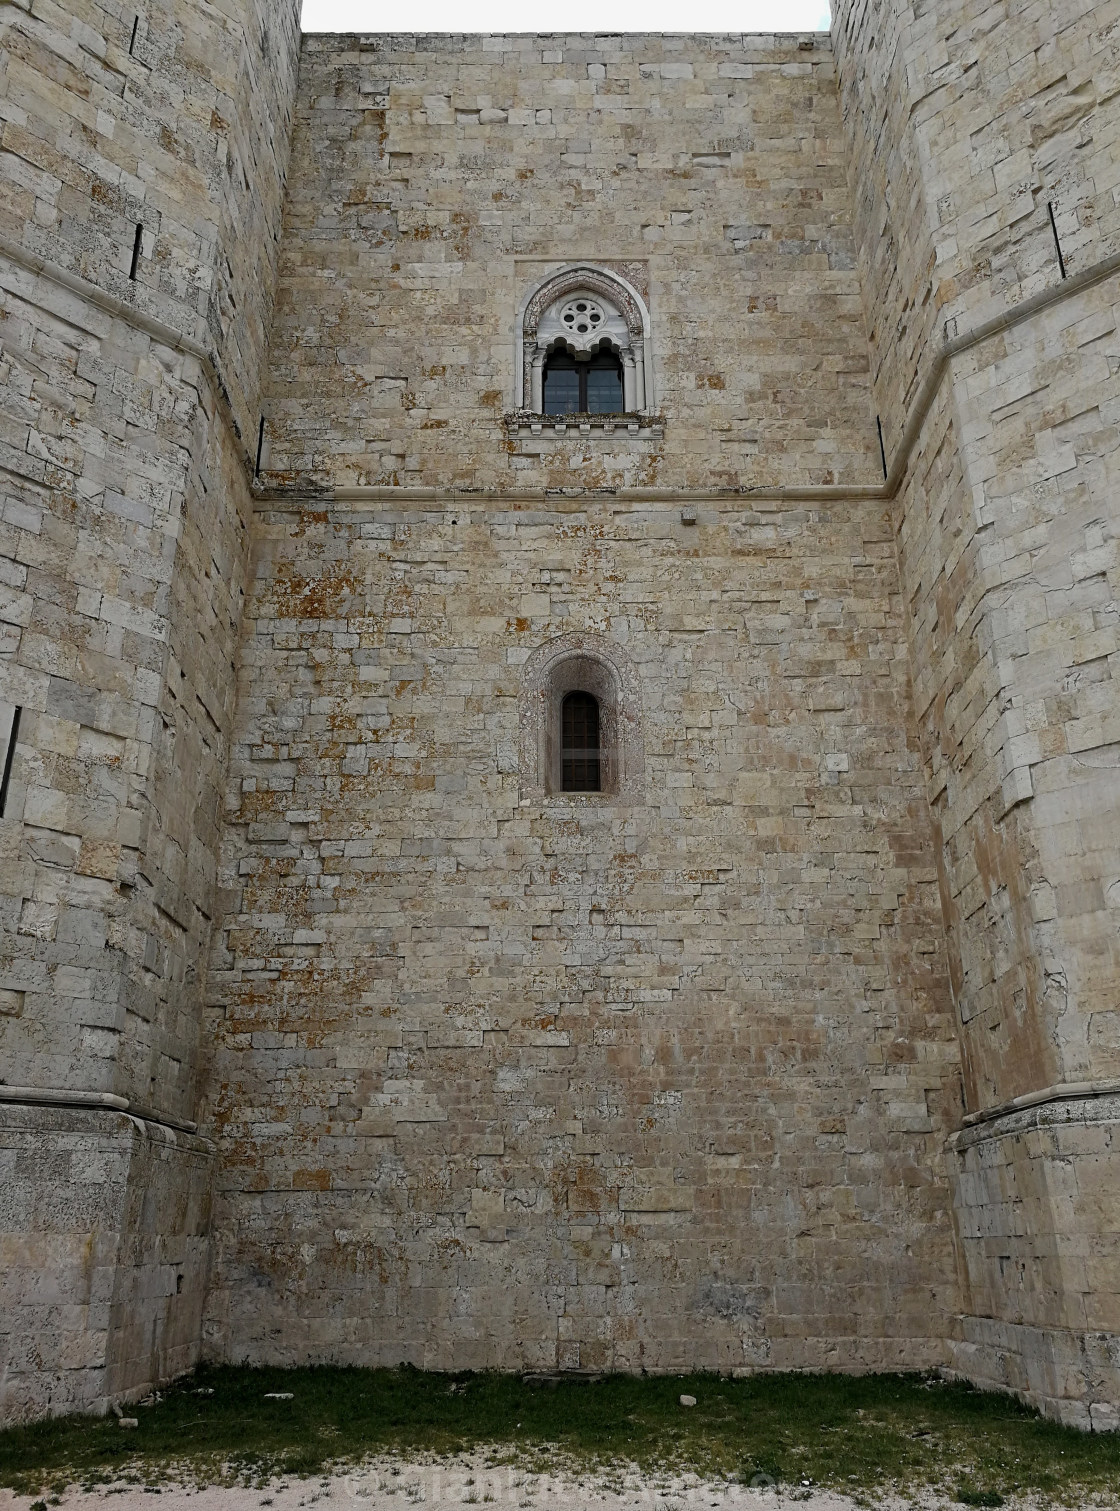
[(582, 316)]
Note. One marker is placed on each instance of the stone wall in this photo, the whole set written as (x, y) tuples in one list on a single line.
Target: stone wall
[(1035, 1193), (436, 181), (124, 530), (1008, 537), (657, 1080), (650, 1079), (964, 120)]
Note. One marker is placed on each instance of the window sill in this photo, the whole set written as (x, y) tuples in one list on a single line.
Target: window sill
[(525, 423), (578, 804)]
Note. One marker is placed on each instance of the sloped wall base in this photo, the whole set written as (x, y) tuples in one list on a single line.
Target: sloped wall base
[(1036, 1196), (103, 1253)]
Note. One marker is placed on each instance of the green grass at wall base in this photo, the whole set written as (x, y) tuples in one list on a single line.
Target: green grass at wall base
[(866, 1435)]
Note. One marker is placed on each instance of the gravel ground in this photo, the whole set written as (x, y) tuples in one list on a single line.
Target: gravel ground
[(398, 1485)]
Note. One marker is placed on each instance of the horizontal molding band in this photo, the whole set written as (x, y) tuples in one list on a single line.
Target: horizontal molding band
[(92, 1101), (121, 310), (1055, 1093), (1068, 1091), (299, 499), (281, 501)]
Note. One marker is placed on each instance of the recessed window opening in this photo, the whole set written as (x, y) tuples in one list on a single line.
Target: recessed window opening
[(579, 744), (579, 716), (583, 385), (137, 248), (9, 752), (132, 39)]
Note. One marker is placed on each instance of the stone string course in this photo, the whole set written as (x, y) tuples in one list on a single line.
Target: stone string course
[(684, 1074)]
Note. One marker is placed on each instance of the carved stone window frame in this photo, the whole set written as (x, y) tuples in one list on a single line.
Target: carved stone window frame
[(636, 357), (581, 663)]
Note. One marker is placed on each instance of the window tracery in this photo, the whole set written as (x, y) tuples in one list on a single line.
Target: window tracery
[(583, 315), (584, 338)]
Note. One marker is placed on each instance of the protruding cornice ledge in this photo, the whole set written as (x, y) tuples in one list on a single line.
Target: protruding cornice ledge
[(956, 346), (299, 499), (104, 1101), (1032, 1109), (283, 500)]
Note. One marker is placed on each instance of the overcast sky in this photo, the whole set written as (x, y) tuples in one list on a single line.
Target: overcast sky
[(578, 15)]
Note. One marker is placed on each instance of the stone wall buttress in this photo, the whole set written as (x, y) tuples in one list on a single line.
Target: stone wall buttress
[(143, 168), (980, 147)]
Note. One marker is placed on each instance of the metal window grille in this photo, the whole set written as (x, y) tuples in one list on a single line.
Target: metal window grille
[(579, 744)]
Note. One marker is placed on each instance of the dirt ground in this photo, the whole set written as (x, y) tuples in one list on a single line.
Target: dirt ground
[(397, 1485)]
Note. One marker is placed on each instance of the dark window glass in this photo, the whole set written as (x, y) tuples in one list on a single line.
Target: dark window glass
[(561, 385), (592, 387), (579, 744), (604, 386)]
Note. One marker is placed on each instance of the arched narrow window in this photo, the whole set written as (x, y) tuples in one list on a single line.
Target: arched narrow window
[(579, 744), (580, 723), (583, 386)]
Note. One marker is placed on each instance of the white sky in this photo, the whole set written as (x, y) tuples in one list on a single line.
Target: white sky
[(577, 15)]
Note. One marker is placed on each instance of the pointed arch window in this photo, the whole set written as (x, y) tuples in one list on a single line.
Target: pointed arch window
[(579, 744), (584, 346)]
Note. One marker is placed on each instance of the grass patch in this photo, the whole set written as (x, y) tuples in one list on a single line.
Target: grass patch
[(865, 1435)]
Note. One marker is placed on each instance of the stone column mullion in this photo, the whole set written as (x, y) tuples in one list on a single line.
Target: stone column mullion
[(628, 382)]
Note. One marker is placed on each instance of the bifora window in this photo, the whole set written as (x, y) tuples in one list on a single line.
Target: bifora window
[(583, 386), (579, 744), (583, 347)]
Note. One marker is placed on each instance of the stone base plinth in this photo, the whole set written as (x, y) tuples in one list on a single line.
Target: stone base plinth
[(1036, 1196), (103, 1252)]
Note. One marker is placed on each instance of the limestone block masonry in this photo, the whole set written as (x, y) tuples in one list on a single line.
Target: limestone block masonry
[(995, 129), (639, 1078), (331, 1027), (142, 172)]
